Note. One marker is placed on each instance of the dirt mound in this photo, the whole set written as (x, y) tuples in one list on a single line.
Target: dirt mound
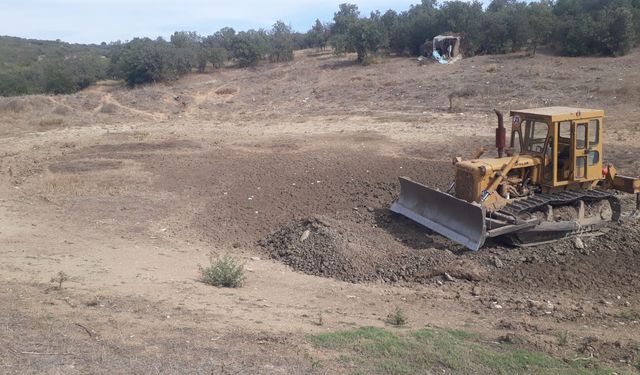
[(607, 265), (347, 251)]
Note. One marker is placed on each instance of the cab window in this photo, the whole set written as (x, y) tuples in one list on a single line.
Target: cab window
[(594, 132), (535, 135)]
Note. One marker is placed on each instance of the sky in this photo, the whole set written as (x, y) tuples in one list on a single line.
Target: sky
[(96, 21)]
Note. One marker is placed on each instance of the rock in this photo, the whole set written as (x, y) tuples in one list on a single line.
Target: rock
[(578, 243), (448, 277), (549, 306), (475, 291), (305, 235), (255, 258), (495, 305), (497, 262)]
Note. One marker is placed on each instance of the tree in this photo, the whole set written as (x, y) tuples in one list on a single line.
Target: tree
[(465, 19), (248, 47), (595, 27), (318, 35), (542, 21), (145, 60), (343, 20), (366, 38), (58, 79), (281, 43)]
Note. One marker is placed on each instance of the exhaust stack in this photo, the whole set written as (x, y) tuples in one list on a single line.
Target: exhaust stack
[(501, 134)]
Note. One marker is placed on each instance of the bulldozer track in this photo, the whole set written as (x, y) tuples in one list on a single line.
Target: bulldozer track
[(562, 198)]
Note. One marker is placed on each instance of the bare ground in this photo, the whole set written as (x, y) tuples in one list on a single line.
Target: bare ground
[(127, 191)]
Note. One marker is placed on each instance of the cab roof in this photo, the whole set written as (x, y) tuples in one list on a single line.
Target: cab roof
[(560, 113)]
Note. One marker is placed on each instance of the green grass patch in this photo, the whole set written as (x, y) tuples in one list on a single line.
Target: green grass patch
[(378, 351)]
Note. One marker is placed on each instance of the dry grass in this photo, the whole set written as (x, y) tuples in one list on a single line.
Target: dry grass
[(13, 105), (51, 121), (109, 108), (466, 92), (226, 91), (61, 110)]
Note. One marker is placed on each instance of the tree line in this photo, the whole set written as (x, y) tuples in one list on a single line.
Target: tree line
[(569, 27)]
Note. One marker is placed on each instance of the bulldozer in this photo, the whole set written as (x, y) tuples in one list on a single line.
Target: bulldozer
[(549, 184)]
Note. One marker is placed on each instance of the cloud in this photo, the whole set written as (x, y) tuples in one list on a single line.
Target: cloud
[(107, 20)]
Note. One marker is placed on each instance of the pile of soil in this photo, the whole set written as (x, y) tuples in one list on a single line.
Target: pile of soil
[(376, 249), (350, 252)]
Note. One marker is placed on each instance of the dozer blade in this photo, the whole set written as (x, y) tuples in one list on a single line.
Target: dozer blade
[(453, 218)]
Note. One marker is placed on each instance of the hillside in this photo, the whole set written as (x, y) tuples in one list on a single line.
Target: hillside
[(29, 66)]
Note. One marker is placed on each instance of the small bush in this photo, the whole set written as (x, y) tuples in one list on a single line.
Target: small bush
[(108, 108), (224, 272), (52, 121), (397, 318), (59, 278)]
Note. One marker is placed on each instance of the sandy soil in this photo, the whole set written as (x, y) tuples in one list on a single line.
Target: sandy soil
[(128, 191)]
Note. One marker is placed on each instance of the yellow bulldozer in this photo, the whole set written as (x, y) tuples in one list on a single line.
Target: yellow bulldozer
[(548, 185)]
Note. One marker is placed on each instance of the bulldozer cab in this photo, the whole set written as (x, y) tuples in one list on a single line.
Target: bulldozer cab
[(567, 140)]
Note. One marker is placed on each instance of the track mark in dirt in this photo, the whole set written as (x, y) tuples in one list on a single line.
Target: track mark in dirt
[(78, 166), (142, 147)]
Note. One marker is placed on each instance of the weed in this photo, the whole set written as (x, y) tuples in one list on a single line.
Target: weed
[(397, 318), (59, 278), (223, 272), (53, 121), (466, 92), (628, 315), (563, 338), (315, 363)]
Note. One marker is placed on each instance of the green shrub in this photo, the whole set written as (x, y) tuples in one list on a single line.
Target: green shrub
[(224, 272)]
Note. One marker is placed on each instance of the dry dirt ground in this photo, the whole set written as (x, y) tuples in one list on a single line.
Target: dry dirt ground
[(128, 191)]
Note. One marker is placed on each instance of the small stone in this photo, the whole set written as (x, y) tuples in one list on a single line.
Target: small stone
[(475, 291), (305, 235), (370, 209), (578, 243), (498, 263), (448, 277), (438, 282), (255, 258)]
